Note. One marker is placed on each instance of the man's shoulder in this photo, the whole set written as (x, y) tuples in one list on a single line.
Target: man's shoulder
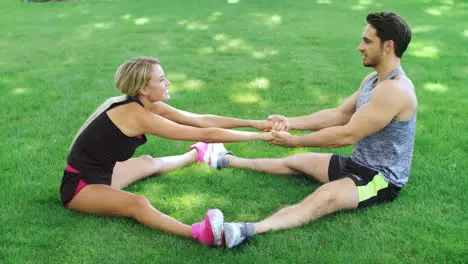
[(400, 91), (400, 83)]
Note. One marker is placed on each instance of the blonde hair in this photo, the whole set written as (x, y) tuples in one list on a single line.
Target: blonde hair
[(130, 77)]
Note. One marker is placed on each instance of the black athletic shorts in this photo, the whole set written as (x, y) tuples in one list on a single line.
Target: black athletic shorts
[(73, 181), (372, 186)]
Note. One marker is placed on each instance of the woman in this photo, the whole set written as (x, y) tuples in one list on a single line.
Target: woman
[(99, 164)]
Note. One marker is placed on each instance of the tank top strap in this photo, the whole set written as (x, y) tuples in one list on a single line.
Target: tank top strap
[(128, 99), (133, 99), (397, 71)]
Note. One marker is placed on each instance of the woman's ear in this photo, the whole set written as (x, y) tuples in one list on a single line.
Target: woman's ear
[(144, 90)]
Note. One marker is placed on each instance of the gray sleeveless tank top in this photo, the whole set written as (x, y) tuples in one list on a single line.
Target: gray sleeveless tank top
[(390, 150)]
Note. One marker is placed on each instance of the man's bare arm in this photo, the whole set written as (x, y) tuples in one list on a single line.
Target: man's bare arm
[(326, 118), (386, 103), (329, 117)]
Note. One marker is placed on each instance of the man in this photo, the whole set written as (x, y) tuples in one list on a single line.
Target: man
[(379, 119)]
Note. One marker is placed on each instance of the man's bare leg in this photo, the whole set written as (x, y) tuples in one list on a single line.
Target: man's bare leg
[(328, 198), (312, 164)]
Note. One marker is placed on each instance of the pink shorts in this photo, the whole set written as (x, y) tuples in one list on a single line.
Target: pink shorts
[(81, 183)]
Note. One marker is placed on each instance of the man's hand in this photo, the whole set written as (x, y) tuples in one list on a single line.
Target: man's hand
[(281, 122), (282, 138)]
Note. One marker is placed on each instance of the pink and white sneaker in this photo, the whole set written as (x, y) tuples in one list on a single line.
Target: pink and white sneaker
[(210, 230), (208, 153)]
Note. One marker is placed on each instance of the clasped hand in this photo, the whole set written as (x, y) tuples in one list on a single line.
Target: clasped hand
[(279, 131)]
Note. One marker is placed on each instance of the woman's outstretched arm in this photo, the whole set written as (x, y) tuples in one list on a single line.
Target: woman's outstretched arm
[(202, 120)]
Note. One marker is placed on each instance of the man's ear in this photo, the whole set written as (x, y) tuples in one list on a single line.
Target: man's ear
[(389, 46)]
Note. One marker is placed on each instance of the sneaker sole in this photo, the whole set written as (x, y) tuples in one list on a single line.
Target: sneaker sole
[(216, 149), (217, 222), (228, 230)]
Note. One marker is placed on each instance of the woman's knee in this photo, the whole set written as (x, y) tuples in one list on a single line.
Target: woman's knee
[(140, 201), (137, 204), (146, 158), (150, 161)]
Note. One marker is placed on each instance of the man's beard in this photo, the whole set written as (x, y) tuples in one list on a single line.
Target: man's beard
[(371, 63), (375, 60)]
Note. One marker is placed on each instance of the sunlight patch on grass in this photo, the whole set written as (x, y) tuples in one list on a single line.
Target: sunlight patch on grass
[(220, 37), (205, 50), (19, 90), (438, 11), (422, 50), (237, 44), (193, 84), (324, 2), (192, 25), (270, 20), (142, 21), (103, 25), (365, 4), (233, 1), (215, 16), (259, 83), (187, 85), (233, 45), (246, 98), (423, 29), (126, 17), (176, 77), (273, 20), (188, 201), (358, 7), (264, 53), (156, 190), (465, 33), (162, 42), (444, 2), (435, 87)]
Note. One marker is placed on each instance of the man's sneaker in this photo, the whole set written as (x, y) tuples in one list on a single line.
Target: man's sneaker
[(210, 230), (212, 154), (236, 233)]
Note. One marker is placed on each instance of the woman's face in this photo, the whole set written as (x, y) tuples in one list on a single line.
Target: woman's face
[(156, 88)]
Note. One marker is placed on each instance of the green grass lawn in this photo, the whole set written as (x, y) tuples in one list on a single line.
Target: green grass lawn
[(242, 58)]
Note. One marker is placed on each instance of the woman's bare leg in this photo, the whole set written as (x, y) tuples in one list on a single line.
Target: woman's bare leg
[(129, 171), (101, 199)]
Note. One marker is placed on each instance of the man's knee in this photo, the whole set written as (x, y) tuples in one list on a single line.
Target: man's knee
[(322, 201), (292, 162)]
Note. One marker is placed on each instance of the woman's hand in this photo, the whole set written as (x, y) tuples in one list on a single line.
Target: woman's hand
[(280, 122)]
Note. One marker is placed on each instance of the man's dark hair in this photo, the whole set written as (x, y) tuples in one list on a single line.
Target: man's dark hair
[(390, 26)]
